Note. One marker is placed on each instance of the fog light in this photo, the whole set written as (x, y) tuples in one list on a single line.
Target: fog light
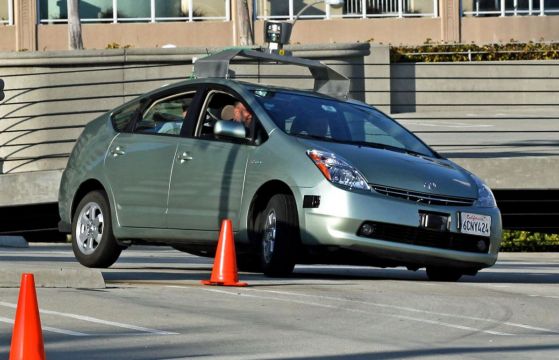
[(367, 229), (481, 246)]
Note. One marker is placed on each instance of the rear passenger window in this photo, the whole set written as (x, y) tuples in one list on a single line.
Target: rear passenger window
[(123, 118), (166, 116)]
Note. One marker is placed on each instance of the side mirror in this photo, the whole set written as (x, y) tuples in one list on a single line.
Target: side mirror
[(1, 89), (229, 129)]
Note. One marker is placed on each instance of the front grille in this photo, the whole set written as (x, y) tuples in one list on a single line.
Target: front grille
[(423, 237), (423, 198)]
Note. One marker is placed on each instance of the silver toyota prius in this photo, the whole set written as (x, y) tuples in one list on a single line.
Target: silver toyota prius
[(305, 177)]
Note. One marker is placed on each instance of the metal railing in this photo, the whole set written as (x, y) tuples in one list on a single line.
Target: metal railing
[(112, 15), (9, 20), (510, 8), (387, 8), (356, 9)]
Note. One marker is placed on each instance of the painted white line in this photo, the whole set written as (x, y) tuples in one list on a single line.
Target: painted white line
[(48, 328), (460, 327), (97, 321), (425, 321), (419, 311)]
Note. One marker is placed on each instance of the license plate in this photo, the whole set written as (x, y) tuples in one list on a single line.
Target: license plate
[(475, 224)]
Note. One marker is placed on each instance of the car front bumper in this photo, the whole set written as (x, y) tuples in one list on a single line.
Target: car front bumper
[(337, 220)]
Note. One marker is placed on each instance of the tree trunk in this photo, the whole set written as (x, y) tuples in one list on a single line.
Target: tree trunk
[(244, 23), (74, 26)]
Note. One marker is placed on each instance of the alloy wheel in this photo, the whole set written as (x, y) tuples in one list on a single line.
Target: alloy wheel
[(89, 229), (269, 236)]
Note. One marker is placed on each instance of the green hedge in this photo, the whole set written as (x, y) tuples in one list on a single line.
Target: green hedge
[(527, 241), (430, 52)]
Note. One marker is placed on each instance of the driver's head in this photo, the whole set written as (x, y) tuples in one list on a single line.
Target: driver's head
[(242, 114)]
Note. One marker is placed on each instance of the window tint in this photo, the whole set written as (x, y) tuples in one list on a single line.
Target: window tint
[(337, 121), (122, 118), (165, 116), (367, 131)]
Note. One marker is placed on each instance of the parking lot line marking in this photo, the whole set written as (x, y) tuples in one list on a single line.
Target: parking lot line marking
[(426, 321), (395, 307), (48, 328), (461, 327), (98, 321)]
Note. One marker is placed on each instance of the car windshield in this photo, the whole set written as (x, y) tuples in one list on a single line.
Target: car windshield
[(337, 121)]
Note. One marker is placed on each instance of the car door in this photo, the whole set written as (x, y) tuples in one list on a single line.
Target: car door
[(138, 164), (208, 176)]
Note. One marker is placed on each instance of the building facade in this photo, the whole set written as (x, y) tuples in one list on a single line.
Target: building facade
[(41, 24)]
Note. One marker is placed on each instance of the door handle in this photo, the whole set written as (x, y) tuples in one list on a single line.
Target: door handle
[(117, 151), (182, 158)]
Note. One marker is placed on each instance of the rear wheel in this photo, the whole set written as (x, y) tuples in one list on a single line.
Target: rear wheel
[(93, 241), (435, 273), (279, 235)]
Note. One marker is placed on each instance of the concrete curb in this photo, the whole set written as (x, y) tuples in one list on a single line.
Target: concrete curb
[(55, 278), (13, 242)]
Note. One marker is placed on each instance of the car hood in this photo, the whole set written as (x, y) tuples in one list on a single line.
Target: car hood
[(401, 170)]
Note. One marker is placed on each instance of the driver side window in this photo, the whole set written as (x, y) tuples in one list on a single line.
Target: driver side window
[(218, 106)]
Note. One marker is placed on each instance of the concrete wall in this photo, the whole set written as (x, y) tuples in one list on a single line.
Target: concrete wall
[(523, 85), (484, 30), (139, 35), (499, 120)]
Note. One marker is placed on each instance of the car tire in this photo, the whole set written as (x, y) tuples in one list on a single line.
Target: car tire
[(93, 242), (279, 234), (435, 273)]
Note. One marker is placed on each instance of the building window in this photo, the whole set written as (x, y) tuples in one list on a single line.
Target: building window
[(125, 11), (509, 7), (288, 9), (6, 12)]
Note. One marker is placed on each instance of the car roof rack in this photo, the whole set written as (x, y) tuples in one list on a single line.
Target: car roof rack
[(326, 80)]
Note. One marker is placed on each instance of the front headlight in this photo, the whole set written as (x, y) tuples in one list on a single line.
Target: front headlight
[(485, 197), (337, 170)]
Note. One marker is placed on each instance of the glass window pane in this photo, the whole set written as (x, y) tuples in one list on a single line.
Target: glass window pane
[(551, 4), (273, 8), (4, 17), (134, 9), (171, 8), (418, 7), (316, 10), (201, 9), (123, 118), (208, 8), (96, 9), (53, 10)]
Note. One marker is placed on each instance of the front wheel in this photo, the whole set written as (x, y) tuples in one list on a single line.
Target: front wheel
[(279, 231), (93, 242)]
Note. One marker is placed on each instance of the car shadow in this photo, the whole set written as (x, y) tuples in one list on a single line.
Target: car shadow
[(327, 275)]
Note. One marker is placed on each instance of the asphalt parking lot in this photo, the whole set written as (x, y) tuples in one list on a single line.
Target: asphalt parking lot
[(152, 306)]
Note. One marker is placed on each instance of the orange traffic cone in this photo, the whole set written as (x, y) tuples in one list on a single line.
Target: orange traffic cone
[(27, 337), (224, 271)]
